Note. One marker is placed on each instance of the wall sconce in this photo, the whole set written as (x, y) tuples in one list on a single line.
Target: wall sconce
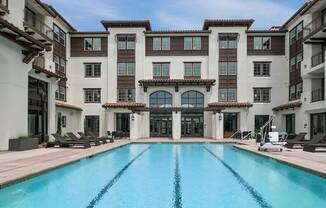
[(132, 117), (220, 117)]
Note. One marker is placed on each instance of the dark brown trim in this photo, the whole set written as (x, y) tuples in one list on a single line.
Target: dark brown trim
[(126, 23), (277, 46), (231, 104), (227, 23), (77, 47)]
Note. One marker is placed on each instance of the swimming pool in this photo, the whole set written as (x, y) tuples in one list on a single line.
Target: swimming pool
[(170, 175)]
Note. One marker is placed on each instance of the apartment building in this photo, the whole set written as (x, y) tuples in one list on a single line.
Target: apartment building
[(144, 83)]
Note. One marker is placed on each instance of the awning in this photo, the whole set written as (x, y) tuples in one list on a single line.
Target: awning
[(293, 105), (67, 106)]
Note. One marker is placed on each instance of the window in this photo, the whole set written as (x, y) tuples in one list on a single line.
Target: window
[(160, 99), (192, 43), (227, 68), (192, 99), (59, 64), (92, 95), (161, 69), (296, 33), (161, 43), (63, 121), (126, 42), (126, 69), (262, 95), (295, 91), (60, 93), (192, 69), (262, 69), (126, 94), (227, 41), (292, 62), (59, 35), (92, 44), (299, 60), (262, 43), (92, 125), (92, 69), (227, 94)]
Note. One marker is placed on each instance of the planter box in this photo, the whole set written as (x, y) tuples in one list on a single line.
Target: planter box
[(23, 144)]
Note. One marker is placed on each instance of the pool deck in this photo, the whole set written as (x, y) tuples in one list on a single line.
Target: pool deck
[(19, 166)]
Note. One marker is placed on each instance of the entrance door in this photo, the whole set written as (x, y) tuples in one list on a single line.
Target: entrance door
[(290, 123), (318, 123), (37, 108), (92, 125), (123, 123), (161, 125), (192, 125), (230, 124)]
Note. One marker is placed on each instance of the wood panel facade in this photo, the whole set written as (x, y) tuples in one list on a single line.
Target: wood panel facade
[(77, 48), (126, 82), (177, 47), (227, 81), (277, 47)]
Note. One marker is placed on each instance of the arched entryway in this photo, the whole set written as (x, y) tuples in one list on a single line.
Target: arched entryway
[(160, 121), (192, 124)]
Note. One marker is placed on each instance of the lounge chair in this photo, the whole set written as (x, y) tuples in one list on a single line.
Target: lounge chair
[(95, 141), (315, 140), (313, 147), (63, 142), (294, 141), (93, 137)]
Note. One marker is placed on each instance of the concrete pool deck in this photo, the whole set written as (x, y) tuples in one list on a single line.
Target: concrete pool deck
[(19, 166)]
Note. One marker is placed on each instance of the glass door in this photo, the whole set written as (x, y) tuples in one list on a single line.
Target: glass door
[(161, 125), (192, 125), (318, 123), (230, 124), (123, 123)]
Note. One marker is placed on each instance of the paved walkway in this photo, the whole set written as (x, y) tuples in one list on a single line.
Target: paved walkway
[(16, 166)]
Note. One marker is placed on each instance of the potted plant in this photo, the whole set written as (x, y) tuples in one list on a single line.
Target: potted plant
[(23, 143)]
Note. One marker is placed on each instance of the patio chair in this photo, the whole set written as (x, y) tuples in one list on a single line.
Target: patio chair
[(73, 136), (92, 137), (63, 142), (299, 142), (313, 147)]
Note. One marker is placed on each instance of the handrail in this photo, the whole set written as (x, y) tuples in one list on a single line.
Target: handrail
[(238, 131), (315, 25), (317, 59), (265, 127)]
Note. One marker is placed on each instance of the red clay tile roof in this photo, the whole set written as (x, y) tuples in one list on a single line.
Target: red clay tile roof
[(227, 23), (67, 106), (295, 104), (177, 81), (230, 104), (123, 105), (126, 23)]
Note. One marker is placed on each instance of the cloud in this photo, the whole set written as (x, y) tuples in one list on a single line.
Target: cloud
[(265, 12)]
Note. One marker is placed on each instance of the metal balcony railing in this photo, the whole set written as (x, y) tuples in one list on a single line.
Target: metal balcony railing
[(317, 95), (317, 24), (317, 59), (32, 21)]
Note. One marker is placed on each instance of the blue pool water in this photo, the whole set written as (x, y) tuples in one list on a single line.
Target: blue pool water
[(170, 176)]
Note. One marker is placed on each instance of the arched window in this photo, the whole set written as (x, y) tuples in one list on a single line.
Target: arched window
[(160, 99), (192, 99)]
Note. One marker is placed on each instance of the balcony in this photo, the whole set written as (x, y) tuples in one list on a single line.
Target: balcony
[(3, 7), (37, 28), (314, 31), (317, 59), (39, 62), (317, 95)]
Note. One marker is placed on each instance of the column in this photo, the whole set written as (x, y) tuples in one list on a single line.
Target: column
[(134, 126), (176, 125), (219, 130)]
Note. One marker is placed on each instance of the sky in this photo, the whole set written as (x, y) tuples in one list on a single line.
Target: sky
[(85, 15)]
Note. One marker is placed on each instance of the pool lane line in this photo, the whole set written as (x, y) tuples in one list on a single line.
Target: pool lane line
[(106, 188), (257, 197), (177, 201)]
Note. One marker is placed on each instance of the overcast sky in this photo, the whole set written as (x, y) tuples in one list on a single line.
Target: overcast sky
[(85, 15)]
